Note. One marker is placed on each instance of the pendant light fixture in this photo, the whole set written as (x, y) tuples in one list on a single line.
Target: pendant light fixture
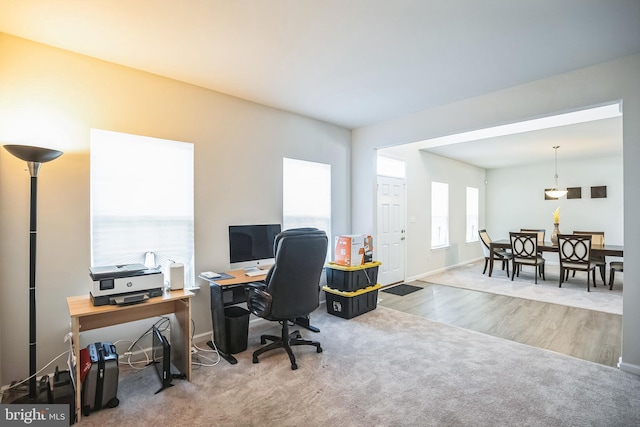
[(555, 192)]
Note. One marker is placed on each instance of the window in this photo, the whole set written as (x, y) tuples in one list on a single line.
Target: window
[(439, 214), (472, 214), (306, 195), (390, 167), (141, 201)]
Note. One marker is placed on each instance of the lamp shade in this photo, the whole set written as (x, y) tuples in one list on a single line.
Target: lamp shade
[(556, 194), (33, 154)]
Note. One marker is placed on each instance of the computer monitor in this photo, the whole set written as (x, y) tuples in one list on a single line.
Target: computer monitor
[(161, 358), (251, 246)]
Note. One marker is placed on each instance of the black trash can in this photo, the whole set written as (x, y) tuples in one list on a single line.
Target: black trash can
[(236, 321)]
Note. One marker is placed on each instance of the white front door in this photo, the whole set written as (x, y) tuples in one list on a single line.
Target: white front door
[(391, 229)]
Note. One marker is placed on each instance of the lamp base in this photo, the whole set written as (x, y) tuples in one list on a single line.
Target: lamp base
[(20, 395), (25, 400)]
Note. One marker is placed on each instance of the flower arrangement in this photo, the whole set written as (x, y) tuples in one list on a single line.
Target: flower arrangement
[(556, 215)]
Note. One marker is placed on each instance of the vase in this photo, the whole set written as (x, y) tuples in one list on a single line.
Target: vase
[(554, 235)]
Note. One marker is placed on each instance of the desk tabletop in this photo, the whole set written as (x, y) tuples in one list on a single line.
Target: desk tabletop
[(81, 305), (238, 278)]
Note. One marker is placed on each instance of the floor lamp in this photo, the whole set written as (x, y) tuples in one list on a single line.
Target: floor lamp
[(34, 156)]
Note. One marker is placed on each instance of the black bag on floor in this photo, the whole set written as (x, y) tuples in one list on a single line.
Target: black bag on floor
[(100, 387), (64, 393), (44, 390)]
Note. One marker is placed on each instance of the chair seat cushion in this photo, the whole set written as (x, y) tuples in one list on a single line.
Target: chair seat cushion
[(503, 253), (616, 265), (578, 266), (530, 261)]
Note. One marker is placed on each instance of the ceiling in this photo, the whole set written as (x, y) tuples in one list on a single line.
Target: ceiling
[(598, 138), (349, 62)]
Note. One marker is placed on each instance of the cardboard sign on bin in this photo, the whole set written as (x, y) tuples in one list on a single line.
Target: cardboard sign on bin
[(354, 249)]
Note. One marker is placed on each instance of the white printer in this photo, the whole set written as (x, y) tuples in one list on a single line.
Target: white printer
[(125, 284)]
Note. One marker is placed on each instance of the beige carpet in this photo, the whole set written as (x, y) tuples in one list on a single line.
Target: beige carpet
[(385, 368), (573, 292)]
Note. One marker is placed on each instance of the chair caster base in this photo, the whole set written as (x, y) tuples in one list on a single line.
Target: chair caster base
[(285, 342)]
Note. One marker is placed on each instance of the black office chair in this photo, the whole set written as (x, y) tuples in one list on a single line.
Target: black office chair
[(292, 287)]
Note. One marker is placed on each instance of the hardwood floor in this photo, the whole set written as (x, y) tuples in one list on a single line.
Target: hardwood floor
[(585, 334)]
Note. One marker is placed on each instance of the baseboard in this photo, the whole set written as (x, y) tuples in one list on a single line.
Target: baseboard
[(449, 267), (441, 270), (629, 367)]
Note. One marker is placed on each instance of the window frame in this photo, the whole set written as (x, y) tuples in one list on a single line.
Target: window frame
[(440, 213)]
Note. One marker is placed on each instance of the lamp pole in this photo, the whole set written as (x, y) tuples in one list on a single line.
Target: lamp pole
[(34, 156)]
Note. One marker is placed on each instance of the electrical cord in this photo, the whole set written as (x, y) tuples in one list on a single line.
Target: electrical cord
[(210, 362), (162, 324), (12, 386), (128, 354)]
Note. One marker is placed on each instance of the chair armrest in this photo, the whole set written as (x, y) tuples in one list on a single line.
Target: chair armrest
[(255, 285), (258, 300)]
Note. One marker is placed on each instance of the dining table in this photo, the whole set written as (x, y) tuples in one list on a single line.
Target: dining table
[(596, 250)]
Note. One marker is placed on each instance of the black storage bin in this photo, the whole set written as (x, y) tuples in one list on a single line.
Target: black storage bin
[(351, 304), (236, 321), (349, 279)]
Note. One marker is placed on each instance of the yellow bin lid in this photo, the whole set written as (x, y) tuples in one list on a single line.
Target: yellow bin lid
[(355, 267), (352, 293)]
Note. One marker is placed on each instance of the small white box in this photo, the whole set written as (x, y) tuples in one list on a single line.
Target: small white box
[(176, 276)]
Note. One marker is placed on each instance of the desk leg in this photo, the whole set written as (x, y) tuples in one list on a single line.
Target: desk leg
[(304, 322), (181, 337), (218, 323), (75, 331)]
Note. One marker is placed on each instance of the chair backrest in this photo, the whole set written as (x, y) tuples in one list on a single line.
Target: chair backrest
[(574, 249), (294, 279), (597, 237), (486, 241), (524, 245), (540, 234)]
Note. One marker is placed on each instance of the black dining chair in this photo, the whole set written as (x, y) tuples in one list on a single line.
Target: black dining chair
[(574, 253), (501, 254), (597, 238), (614, 266), (524, 247), (540, 233)]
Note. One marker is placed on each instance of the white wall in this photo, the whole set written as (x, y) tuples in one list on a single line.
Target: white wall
[(422, 168), (599, 84), (515, 198), (53, 98), (512, 198)]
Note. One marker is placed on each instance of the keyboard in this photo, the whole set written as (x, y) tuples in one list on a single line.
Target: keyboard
[(210, 274), (252, 273)]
